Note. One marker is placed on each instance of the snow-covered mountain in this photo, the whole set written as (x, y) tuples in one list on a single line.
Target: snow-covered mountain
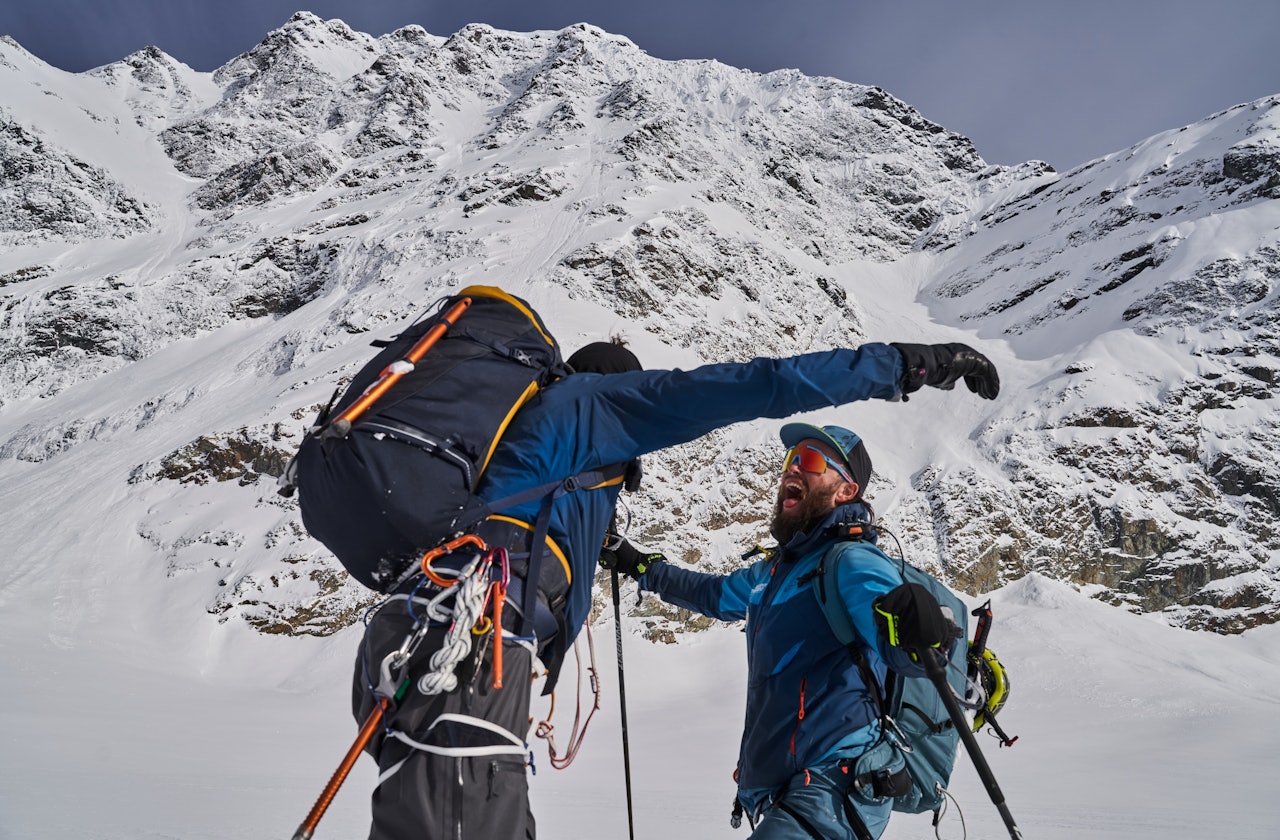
[(1141, 290), (192, 261)]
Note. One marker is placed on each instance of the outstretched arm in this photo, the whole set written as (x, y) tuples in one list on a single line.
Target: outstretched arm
[(725, 597), (644, 411)]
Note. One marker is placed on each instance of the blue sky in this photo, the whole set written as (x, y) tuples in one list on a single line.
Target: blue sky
[(1058, 81)]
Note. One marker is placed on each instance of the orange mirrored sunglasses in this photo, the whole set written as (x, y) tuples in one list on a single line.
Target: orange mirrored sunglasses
[(813, 460)]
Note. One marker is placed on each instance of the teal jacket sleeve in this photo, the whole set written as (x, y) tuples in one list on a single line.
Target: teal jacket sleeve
[(864, 575), (725, 597)]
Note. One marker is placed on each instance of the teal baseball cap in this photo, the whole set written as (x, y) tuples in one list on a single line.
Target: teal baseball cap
[(838, 438)]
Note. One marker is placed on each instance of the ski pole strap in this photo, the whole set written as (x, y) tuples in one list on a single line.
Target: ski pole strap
[(1005, 741)]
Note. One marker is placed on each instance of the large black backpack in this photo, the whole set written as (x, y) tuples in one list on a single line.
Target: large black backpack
[(388, 470)]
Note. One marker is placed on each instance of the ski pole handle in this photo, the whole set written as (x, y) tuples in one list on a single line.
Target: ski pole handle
[(983, 614), (370, 726)]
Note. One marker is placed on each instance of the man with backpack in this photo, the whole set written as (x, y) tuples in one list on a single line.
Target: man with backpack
[(452, 752), (814, 762), (466, 779)]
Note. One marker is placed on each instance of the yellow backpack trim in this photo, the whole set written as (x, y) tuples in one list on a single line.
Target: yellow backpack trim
[(506, 421), (495, 292), (555, 549)]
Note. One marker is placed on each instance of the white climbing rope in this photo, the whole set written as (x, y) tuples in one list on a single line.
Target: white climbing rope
[(469, 592)]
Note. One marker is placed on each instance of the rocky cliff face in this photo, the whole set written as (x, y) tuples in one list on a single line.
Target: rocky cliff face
[(1145, 464), (196, 259), (47, 192)]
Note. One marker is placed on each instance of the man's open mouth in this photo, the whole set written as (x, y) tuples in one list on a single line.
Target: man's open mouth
[(791, 494)]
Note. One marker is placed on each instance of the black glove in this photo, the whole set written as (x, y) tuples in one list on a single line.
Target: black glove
[(940, 365), (911, 619), (619, 554)]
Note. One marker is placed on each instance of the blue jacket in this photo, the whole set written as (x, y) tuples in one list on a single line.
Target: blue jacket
[(806, 700), (586, 421)]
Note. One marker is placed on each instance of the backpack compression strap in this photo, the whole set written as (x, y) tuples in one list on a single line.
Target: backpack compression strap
[(340, 426), (549, 493), (587, 480)]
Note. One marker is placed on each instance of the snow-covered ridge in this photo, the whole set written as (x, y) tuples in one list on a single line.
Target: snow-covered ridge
[(1144, 286), (192, 261)]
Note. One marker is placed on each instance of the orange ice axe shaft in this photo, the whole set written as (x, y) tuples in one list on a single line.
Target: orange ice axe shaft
[(392, 372)]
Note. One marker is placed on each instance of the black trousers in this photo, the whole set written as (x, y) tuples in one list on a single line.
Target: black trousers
[(443, 776)]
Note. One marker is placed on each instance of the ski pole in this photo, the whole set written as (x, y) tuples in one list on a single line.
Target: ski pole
[(936, 669), (622, 704), (308, 826)]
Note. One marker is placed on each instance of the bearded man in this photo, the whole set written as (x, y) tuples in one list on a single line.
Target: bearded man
[(813, 761)]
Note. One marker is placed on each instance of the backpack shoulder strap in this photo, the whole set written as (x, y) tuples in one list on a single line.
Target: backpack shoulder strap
[(841, 622), (828, 580), (828, 577), (548, 493)]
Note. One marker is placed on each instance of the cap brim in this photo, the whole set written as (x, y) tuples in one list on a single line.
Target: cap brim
[(793, 433)]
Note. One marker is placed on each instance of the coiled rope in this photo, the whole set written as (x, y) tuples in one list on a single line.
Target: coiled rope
[(469, 591)]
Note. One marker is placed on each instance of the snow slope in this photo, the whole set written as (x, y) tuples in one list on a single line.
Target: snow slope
[(1128, 729)]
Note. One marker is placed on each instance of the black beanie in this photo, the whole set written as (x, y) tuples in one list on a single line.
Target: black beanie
[(604, 357)]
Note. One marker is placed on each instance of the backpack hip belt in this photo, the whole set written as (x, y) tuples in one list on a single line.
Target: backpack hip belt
[(493, 533), (878, 783), (554, 576)]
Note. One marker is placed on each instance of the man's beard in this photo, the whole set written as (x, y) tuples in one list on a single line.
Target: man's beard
[(812, 509)]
